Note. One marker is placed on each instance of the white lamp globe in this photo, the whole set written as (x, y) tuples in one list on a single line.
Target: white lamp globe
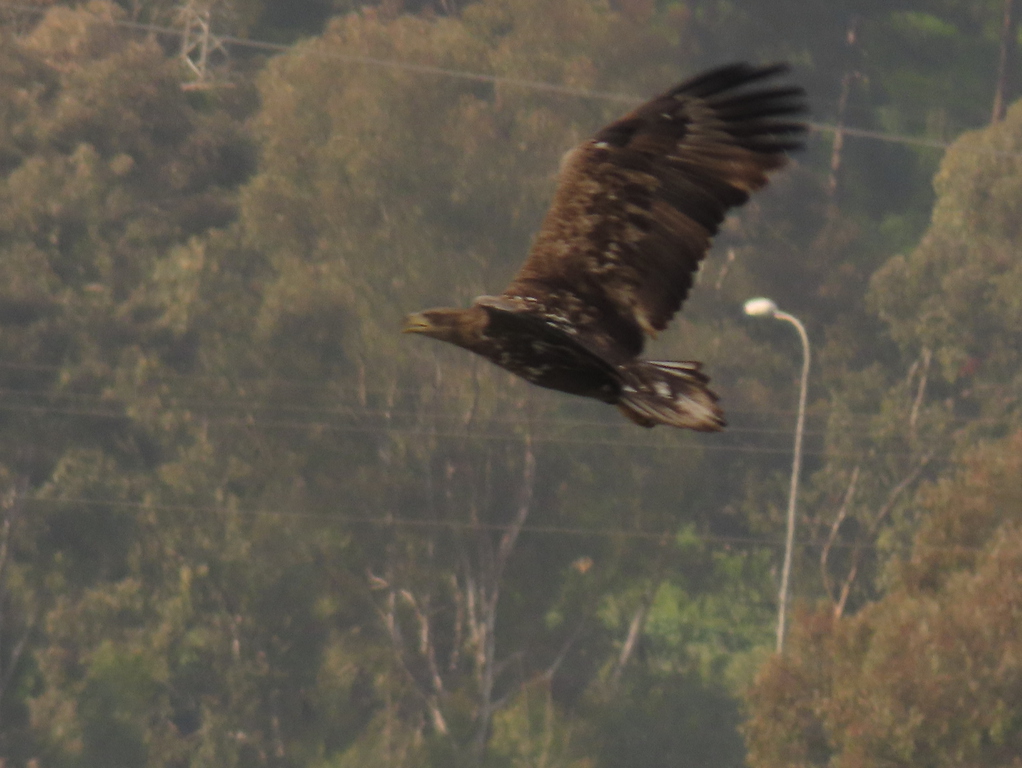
[(760, 307)]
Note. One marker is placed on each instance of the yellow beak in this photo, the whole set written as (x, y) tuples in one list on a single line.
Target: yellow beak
[(416, 323)]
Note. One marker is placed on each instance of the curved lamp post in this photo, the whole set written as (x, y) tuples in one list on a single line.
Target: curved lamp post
[(766, 308)]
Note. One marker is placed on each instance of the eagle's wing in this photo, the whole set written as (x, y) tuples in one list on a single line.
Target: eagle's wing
[(637, 205)]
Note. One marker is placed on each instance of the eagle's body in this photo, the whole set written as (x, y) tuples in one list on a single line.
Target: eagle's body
[(633, 215)]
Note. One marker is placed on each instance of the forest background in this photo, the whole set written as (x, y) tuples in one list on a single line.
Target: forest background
[(244, 522)]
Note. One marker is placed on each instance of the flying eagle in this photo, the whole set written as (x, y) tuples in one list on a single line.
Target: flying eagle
[(633, 215)]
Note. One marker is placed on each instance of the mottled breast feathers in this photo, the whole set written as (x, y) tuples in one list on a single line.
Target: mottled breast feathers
[(637, 205), (633, 215)]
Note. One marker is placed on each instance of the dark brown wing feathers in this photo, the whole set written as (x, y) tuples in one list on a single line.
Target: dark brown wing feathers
[(637, 204)]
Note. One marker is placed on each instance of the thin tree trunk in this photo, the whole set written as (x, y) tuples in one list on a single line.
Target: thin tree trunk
[(489, 619), (837, 148), (920, 392), (842, 514), (871, 532), (632, 639), (1004, 90), (13, 506)]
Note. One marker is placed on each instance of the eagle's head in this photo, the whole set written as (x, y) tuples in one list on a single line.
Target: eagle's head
[(463, 327)]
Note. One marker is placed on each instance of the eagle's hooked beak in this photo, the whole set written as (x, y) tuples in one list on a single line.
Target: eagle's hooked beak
[(417, 323)]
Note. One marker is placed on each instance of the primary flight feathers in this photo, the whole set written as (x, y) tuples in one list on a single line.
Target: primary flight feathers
[(633, 215)]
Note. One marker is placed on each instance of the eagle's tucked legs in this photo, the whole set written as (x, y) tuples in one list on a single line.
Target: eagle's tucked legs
[(633, 215)]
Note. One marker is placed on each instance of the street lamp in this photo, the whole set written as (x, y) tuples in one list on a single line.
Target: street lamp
[(766, 308)]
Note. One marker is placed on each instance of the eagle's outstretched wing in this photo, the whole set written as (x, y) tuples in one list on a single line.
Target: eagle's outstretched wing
[(637, 204)]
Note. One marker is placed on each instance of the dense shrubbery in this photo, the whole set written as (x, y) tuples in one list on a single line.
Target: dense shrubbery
[(245, 522)]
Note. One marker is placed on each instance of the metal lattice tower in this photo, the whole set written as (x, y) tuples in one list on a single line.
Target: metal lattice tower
[(200, 48)]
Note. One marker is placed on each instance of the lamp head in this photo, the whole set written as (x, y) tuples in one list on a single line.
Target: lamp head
[(760, 307)]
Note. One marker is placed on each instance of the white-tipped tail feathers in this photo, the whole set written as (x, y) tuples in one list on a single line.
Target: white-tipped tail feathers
[(673, 393)]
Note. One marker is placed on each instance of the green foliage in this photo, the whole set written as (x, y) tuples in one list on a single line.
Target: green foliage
[(929, 674), (243, 521), (911, 677), (958, 292)]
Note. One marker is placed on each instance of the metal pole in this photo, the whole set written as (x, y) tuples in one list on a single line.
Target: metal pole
[(796, 467)]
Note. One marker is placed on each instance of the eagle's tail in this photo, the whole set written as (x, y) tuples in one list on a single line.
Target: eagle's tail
[(674, 393)]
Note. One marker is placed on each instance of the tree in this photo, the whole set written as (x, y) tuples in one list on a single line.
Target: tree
[(106, 167), (249, 523), (929, 674), (957, 293), (944, 373)]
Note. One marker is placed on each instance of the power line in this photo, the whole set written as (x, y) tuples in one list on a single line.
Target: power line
[(894, 138), (392, 521), (395, 421), (687, 444), (406, 431), (340, 409), (331, 390), (537, 85)]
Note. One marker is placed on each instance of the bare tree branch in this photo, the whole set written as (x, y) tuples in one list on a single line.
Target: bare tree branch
[(475, 593), (426, 646), (842, 513), (510, 536), (920, 391), (872, 529), (639, 618), (431, 699), (554, 665), (496, 571)]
